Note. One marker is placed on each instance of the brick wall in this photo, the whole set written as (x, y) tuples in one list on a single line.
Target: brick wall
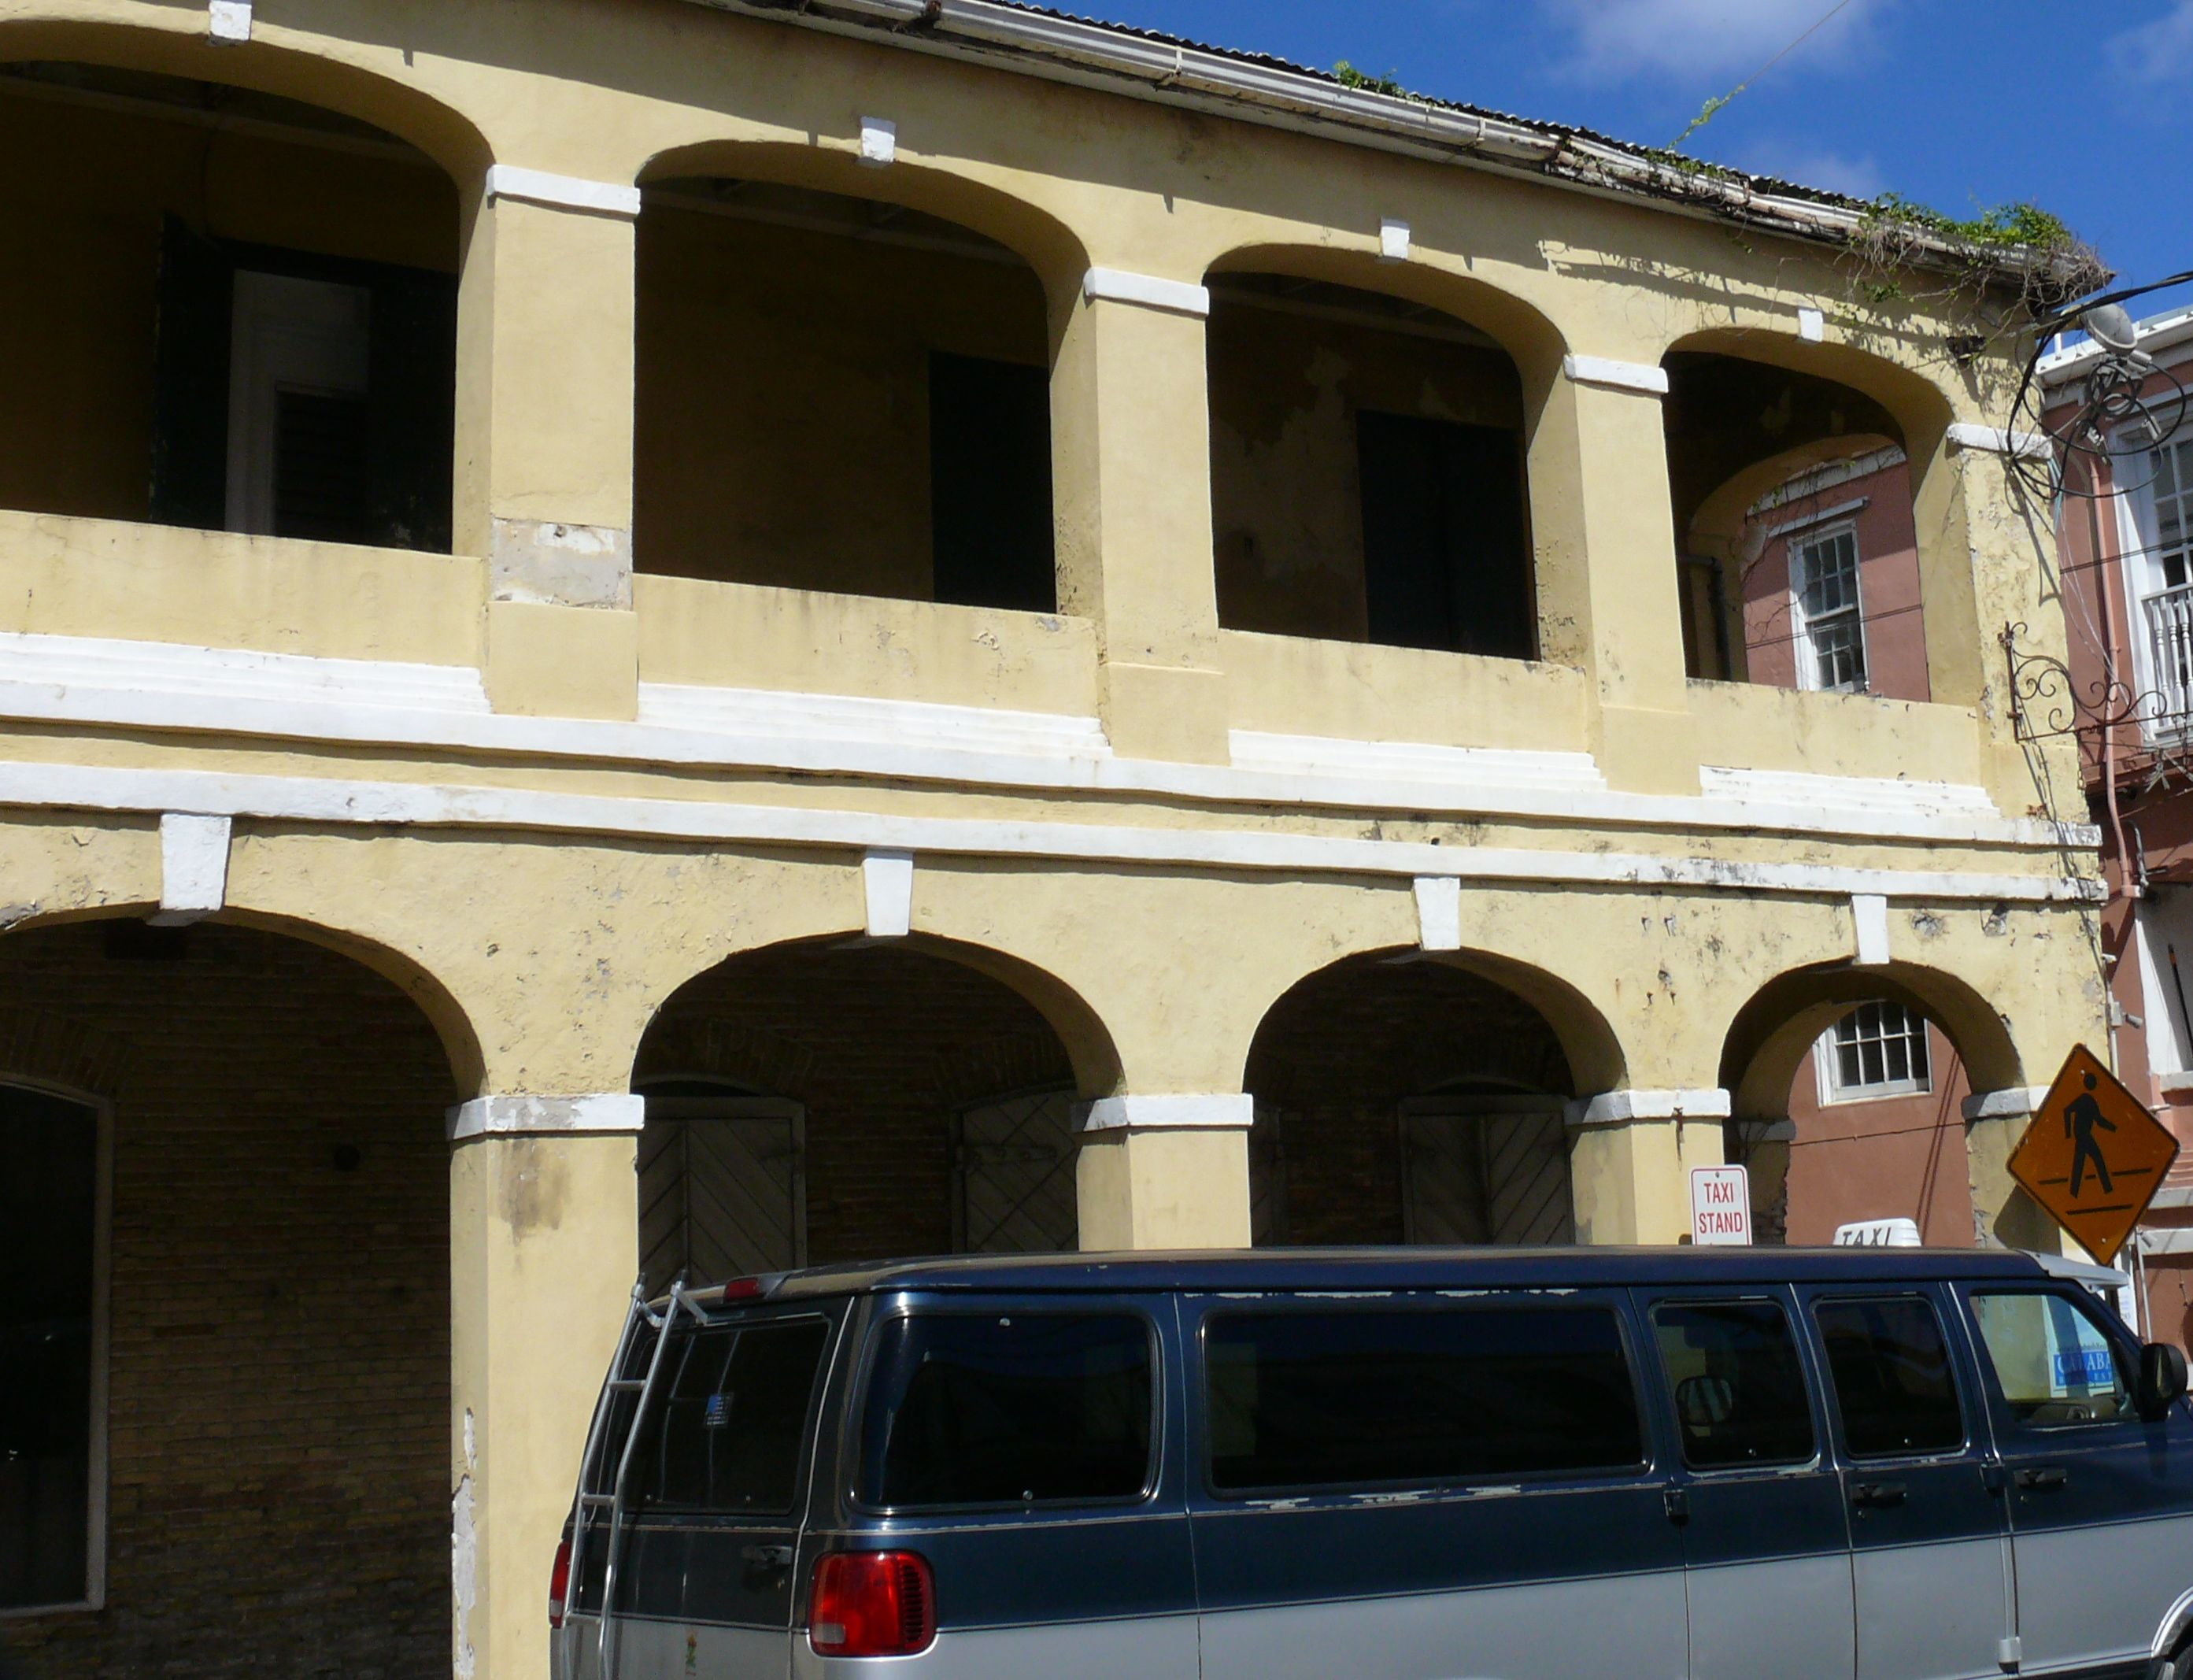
[(882, 1045), (278, 1458), (1339, 1054)]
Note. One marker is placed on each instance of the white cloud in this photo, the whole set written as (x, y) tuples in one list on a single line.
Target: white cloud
[(2157, 52), (1861, 177), (1615, 39)]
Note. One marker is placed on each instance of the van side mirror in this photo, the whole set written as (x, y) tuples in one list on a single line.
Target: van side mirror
[(2161, 1383)]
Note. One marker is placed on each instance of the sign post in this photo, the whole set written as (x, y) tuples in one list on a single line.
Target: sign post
[(2093, 1156), (1720, 1206)]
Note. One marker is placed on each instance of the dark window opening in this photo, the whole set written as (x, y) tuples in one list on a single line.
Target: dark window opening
[(729, 1434), (1894, 1386), (1739, 1385), (1026, 1408), (989, 475), (362, 455), (1445, 564), (1312, 1399), (48, 1207)]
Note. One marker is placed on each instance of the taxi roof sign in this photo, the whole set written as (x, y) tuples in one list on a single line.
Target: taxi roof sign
[(2093, 1156)]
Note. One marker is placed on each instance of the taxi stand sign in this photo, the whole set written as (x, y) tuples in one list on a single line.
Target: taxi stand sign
[(2094, 1156), (1721, 1206)]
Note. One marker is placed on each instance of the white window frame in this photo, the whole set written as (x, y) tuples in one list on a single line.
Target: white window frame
[(2139, 563), (1827, 1062), (288, 334), (102, 1235), (1811, 536)]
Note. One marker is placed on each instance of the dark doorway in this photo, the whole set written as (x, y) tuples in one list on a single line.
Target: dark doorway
[(1445, 564), (989, 479)]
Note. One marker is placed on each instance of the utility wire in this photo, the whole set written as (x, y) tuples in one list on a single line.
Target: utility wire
[(1713, 107)]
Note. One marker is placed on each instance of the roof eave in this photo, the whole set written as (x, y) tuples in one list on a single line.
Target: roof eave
[(1094, 54)]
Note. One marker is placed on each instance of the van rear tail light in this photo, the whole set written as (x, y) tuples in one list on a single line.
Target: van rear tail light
[(872, 1604), (559, 1584)]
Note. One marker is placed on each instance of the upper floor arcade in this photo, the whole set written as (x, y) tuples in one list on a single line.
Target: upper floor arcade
[(658, 366)]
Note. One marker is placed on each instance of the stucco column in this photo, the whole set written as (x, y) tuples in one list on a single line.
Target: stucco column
[(2003, 1215), (1609, 597), (543, 1247), (1166, 1173), (544, 440), (1131, 453), (1630, 1156)]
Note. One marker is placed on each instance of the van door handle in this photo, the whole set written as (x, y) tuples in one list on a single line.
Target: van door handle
[(1678, 1503), (2042, 1477), (765, 1556), (1877, 1495)]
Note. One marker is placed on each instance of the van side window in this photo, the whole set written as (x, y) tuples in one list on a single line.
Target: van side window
[(728, 1433), (1026, 1408), (1894, 1389), (1739, 1387), (1354, 1399), (2052, 1362)]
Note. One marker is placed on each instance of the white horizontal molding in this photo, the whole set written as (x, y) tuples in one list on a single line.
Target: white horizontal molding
[(1841, 510), (1964, 434), (172, 687), (1118, 285), (1627, 1108), (547, 1116), (563, 192), (2014, 1104), (1639, 377), (319, 799), (1234, 1113)]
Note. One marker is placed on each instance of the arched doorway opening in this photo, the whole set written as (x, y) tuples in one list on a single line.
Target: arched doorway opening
[(827, 1101), (245, 312), (1793, 496), (1367, 469), (1848, 1090), (789, 334), (229, 1146), (1403, 1099)]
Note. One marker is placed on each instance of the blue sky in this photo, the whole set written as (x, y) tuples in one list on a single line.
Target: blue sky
[(2086, 108)]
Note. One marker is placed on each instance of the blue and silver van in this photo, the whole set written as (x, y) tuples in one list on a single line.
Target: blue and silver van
[(1387, 1464)]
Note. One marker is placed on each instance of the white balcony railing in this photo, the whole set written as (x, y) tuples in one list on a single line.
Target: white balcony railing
[(2169, 708)]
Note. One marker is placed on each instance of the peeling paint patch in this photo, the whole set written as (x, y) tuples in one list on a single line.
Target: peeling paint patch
[(464, 1557)]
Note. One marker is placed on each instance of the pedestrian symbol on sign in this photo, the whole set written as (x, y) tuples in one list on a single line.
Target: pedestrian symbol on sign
[(2094, 1156)]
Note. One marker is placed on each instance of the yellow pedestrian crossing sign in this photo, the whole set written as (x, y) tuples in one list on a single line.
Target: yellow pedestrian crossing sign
[(2093, 1156)]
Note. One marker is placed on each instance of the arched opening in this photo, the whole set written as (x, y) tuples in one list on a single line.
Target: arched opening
[(1794, 530), (229, 1152), (242, 316), (1848, 1089), (1413, 1100), (827, 1101), (1367, 469), (839, 392)]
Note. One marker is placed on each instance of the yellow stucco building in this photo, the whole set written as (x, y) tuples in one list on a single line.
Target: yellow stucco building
[(936, 627)]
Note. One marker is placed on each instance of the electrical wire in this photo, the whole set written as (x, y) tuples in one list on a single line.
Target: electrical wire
[(1714, 107)]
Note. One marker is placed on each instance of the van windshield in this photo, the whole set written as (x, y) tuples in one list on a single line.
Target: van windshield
[(1024, 1408)]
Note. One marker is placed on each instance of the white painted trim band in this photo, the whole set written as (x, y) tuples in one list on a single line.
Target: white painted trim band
[(1624, 1108), (1964, 434), (563, 192), (1869, 922), (2015, 1103), (2177, 1196), (1233, 1113), (1841, 510), (331, 800), (547, 1116), (1118, 285), (1651, 382)]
